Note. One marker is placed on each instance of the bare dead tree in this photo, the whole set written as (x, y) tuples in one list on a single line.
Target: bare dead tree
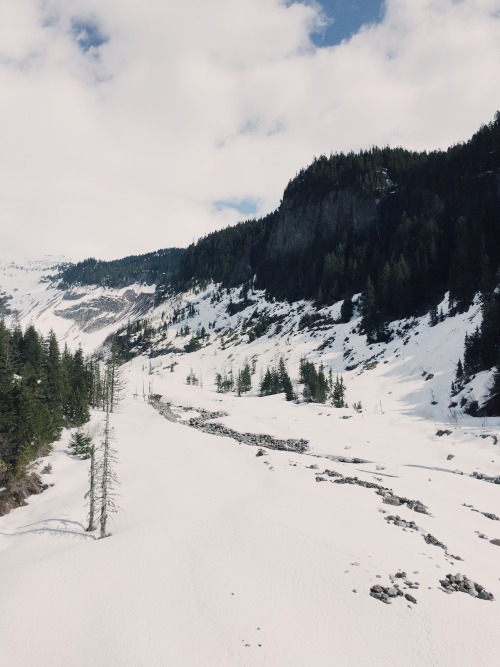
[(103, 459), (107, 481), (91, 493)]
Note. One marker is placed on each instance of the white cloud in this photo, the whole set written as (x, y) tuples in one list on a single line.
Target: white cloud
[(126, 147)]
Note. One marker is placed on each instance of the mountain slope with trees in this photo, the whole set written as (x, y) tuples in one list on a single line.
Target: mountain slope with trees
[(146, 268), (413, 225), (404, 228)]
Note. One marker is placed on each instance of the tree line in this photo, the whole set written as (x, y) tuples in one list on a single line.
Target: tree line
[(318, 386)]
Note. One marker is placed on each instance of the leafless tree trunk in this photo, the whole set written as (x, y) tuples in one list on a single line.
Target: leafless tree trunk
[(103, 482), (92, 490), (108, 457)]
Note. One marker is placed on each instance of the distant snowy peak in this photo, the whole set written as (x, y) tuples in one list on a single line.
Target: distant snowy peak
[(43, 263), (30, 293)]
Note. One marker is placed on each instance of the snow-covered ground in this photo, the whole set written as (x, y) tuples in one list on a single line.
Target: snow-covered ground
[(221, 557)]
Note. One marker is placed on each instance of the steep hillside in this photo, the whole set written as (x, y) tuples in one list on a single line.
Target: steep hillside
[(412, 225), (415, 224)]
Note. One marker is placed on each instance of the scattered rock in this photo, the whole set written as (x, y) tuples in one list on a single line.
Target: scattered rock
[(450, 456), (398, 521), (496, 542), (344, 459), (430, 539), (391, 499), (486, 478), (389, 593), (410, 598), (442, 432), (358, 482), (488, 515), (462, 583), (331, 473), (205, 424)]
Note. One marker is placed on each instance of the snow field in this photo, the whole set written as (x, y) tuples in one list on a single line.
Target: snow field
[(221, 558)]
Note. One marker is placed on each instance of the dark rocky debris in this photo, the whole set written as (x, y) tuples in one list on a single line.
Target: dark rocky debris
[(463, 584)]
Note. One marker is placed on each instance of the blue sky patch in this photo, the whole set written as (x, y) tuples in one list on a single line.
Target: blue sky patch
[(246, 207), (348, 17), (87, 34)]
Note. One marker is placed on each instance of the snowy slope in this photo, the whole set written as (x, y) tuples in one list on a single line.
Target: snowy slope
[(80, 315), (220, 557)]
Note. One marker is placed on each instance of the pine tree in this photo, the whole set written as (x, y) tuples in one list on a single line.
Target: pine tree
[(244, 380), (285, 382), (458, 384), (35, 397), (54, 381), (472, 355), (346, 310), (114, 385), (338, 394)]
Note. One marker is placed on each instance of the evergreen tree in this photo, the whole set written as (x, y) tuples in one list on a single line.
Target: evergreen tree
[(285, 383), (472, 355), (338, 394), (35, 394), (458, 384), (346, 310), (54, 388), (244, 380), (316, 385)]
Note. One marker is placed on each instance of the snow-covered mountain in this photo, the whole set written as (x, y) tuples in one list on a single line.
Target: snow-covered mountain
[(221, 557), (30, 293)]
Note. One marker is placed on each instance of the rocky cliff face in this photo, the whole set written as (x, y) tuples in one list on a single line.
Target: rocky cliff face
[(298, 225), (96, 313)]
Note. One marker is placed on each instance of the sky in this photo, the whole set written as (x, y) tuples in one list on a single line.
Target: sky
[(128, 127)]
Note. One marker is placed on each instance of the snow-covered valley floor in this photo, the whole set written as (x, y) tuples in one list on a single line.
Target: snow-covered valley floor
[(219, 557)]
